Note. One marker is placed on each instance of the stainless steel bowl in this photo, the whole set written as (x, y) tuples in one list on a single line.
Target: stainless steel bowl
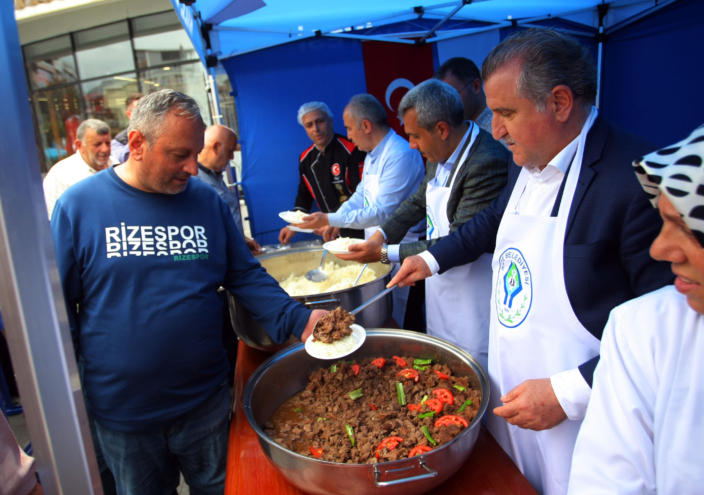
[(286, 374), (299, 261)]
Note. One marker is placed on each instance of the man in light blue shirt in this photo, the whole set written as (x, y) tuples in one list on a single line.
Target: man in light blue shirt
[(392, 172)]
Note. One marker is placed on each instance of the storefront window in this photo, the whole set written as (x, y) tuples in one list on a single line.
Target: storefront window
[(58, 114), (90, 74), (104, 99), (186, 78), (104, 50), (50, 62)]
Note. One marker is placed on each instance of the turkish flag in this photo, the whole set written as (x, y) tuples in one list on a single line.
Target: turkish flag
[(391, 69)]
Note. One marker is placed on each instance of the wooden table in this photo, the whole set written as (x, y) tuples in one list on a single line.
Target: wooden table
[(488, 470)]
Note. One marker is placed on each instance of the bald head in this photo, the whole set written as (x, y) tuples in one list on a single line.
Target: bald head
[(219, 148)]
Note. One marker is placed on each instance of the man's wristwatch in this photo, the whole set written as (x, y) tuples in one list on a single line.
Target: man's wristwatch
[(385, 254)]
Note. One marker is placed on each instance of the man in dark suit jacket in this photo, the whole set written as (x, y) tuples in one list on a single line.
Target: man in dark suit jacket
[(541, 86)]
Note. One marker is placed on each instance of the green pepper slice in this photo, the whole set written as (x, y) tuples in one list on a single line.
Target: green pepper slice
[(401, 394), (350, 433), (466, 403), (426, 432)]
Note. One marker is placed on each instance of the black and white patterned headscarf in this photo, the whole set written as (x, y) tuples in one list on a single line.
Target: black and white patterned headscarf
[(678, 172)]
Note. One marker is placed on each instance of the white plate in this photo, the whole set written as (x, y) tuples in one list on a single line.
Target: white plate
[(296, 229), (359, 333), (287, 217), (330, 247)]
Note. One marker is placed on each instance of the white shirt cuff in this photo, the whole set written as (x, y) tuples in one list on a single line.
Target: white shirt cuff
[(572, 393), (430, 261), (393, 253), (382, 233)]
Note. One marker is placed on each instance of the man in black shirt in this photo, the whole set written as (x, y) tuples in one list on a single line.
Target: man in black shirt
[(329, 170)]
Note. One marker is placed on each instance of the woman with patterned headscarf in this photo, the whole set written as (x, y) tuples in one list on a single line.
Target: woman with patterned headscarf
[(644, 428)]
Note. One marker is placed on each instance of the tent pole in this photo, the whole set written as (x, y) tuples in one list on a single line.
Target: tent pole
[(32, 301), (443, 21), (603, 9)]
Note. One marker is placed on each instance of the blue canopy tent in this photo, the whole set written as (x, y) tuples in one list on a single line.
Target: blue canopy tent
[(279, 54)]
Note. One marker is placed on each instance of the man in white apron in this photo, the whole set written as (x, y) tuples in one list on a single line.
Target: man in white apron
[(466, 170), (570, 236), (643, 430), (392, 172)]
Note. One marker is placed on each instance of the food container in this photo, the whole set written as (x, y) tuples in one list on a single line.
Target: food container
[(300, 261), (286, 374)]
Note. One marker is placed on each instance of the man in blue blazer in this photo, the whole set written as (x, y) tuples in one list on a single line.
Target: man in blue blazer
[(570, 236)]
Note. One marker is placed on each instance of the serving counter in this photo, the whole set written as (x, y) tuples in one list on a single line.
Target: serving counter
[(488, 470)]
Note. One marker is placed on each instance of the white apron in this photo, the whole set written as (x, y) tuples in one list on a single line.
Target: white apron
[(457, 301), (371, 189), (534, 330)]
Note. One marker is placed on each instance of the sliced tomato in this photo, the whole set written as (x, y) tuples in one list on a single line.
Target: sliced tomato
[(355, 368), (379, 363), (414, 407), (451, 420), (316, 452), (372, 406), (442, 375), (419, 449), (390, 443), (434, 405), (444, 395), (409, 374), (401, 362)]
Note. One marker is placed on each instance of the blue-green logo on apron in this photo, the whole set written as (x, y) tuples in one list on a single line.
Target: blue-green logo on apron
[(366, 200), (514, 288), (430, 225)]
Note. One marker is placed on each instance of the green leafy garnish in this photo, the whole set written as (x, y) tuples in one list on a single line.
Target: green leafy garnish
[(426, 432), (298, 410), (466, 403), (425, 397), (421, 362), (426, 415), (420, 368), (459, 387), (401, 394), (350, 433), (356, 394), (333, 368)]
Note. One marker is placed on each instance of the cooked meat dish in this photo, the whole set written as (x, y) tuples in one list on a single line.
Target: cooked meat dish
[(333, 326), (375, 411)]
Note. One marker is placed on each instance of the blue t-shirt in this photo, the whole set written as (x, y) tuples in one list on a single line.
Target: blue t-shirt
[(140, 273)]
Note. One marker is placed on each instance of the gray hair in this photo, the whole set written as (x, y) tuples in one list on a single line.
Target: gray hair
[(311, 106), (548, 59), (151, 111), (434, 101), (366, 107), (100, 128)]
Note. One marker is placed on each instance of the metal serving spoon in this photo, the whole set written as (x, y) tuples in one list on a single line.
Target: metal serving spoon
[(360, 275), (318, 275)]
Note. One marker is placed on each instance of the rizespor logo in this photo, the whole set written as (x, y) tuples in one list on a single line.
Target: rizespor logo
[(514, 288)]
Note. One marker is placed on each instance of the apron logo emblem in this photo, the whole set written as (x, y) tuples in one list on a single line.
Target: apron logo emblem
[(366, 200), (336, 169), (514, 288), (430, 229)]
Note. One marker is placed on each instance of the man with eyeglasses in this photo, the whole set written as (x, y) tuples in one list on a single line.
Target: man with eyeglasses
[(463, 75)]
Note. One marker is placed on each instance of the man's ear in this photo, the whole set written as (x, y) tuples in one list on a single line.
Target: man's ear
[(561, 102), (366, 126), (137, 143), (78, 144), (476, 86), (443, 129)]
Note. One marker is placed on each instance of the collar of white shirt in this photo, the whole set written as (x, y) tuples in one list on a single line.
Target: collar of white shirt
[(445, 168)]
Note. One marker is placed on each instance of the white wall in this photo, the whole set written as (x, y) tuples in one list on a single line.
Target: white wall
[(48, 25)]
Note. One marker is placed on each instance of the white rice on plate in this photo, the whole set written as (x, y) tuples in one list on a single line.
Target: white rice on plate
[(339, 347)]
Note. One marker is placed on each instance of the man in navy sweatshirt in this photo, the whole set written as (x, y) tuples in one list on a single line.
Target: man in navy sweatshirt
[(142, 251)]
